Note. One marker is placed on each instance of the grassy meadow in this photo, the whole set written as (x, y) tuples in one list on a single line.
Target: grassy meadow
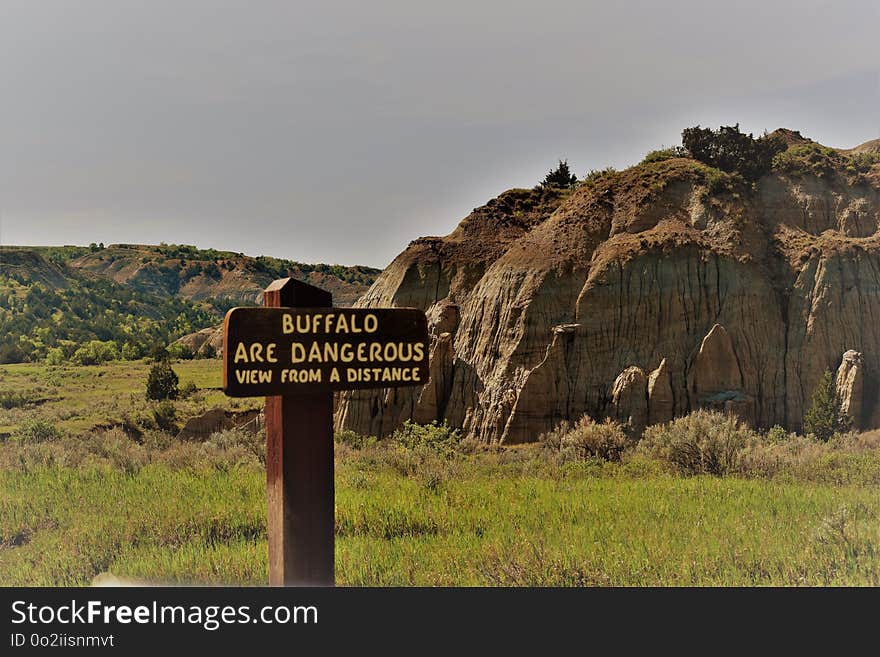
[(421, 508)]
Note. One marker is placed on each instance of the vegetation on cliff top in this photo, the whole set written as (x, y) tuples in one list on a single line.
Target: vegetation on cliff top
[(727, 159), (823, 162), (733, 151)]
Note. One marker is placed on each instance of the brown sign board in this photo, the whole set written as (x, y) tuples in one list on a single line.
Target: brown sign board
[(290, 351)]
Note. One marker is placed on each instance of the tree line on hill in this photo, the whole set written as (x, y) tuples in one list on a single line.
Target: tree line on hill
[(57, 312), (89, 321)]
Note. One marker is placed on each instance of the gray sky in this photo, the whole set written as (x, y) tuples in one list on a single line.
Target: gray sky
[(340, 131)]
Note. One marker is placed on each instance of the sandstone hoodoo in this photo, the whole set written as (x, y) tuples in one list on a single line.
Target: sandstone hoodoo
[(645, 294), (849, 383)]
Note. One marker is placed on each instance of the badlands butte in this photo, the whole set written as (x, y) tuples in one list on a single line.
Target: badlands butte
[(644, 294)]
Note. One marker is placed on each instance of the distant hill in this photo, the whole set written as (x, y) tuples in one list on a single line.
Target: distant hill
[(223, 278), (87, 304)]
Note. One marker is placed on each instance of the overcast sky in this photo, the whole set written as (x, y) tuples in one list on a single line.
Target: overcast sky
[(339, 131)]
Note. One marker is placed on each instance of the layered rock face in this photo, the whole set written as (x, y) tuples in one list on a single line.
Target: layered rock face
[(641, 296)]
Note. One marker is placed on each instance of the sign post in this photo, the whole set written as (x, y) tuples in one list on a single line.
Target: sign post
[(296, 351)]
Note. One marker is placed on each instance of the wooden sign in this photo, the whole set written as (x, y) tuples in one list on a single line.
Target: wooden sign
[(296, 351), (289, 351)]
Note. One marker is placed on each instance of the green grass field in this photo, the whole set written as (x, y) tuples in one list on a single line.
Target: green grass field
[(79, 399), (161, 511)]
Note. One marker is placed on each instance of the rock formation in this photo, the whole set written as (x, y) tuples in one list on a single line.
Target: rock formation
[(717, 381), (217, 419), (732, 296), (661, 403), (629, 398), (205, 343), (849, 384)]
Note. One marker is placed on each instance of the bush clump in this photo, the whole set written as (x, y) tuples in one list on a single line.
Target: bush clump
[(251, 443), (845, 459), (704, 442), (162, 382), (777, 435), (188, 389), (440, 437), (664, 154), (95, 352), (36, 431), (354, 440), (164, 415), (586, 439), (824, 162), (595, 175), (733, 151), (180, 351), (13, 399)]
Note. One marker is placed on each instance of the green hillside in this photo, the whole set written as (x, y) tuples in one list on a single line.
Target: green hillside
[(223, 278), (91, 304), (48, 310)]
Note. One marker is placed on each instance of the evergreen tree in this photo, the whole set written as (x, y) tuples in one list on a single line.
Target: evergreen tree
[(824, 417), (561, 176), (162, 381)]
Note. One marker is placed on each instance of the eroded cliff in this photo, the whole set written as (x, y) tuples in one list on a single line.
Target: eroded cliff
[(642, 295)]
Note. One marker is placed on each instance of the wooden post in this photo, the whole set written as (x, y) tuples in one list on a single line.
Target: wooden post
[(356, 348), (299, 467)]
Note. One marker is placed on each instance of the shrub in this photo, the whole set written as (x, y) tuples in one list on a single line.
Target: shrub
[(165, 414), (824, 417), (162, 382), (807, 159), (717, 181), (131, 351), (733, 151), (595, 175), (861, 163), (664, 154), (702, 442), (36, 431), (188, 390), (845, 459), (561, 176), (354, 439), (440, 437), (421, 461), (13, 399), (54, 356), (158, 352), (95, 352), (250, 442), (823, 162), (586, 439), (181, 351), (776, 435), (121, 453), (12, 353)]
